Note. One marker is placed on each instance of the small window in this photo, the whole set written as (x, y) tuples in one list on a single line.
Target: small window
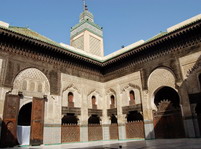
[(93, 100), (112, 101), (132, 95), (132, 98), (70, 97)]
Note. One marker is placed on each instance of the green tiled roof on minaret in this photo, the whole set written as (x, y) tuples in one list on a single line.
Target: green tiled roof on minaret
[(86, 15), (86, 35)]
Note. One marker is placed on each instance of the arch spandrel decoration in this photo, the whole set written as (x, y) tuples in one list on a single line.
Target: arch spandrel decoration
[(125, 91), (159, 78), (76, 95), (25, 79)]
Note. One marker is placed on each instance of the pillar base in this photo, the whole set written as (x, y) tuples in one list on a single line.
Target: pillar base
[(83, 133), (149, 129)]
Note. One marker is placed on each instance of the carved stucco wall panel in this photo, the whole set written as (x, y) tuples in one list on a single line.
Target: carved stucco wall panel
[(126, 94), (131, 81), (76, 95), (110, 92), (159, 78), (190, 66), (32, 82), (84, 89)]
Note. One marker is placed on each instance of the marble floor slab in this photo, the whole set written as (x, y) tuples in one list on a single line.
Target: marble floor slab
[(131, 144)]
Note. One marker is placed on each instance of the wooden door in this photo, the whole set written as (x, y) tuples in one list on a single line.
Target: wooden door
[(135, 129), (199, 121), (95, 132), (114, 135), (37, 121), (9, 124), (169, 125)]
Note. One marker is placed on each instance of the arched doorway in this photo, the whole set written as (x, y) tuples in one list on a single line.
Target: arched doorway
[(168, 121), (69, 118), (31, 83), (134, 116), (94, 119), (24, 124), (24, 117)]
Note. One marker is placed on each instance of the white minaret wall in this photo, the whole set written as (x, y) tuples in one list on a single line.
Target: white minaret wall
[(88, 42), (87, 35)]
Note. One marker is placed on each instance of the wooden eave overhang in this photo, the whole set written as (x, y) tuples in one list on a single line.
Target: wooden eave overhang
[(106, 64), (148, 45), (49, 46)]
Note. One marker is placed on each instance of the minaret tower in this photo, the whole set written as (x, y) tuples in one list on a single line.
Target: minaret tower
[(87, 35)]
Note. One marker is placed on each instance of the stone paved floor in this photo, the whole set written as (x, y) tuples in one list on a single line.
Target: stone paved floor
[(148, 144)]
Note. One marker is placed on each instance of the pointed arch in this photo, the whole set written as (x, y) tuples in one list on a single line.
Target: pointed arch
[(126, 90), (98, 99), (160, 77), (75, 96), (33, 77)]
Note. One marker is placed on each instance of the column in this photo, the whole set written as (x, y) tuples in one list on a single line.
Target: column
[(186, 112), (52, 120), (84, 119), (148, 117), (105, 119), (195, 121), (121, 118)]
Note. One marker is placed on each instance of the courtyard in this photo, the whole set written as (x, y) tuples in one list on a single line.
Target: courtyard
[(130, 144)]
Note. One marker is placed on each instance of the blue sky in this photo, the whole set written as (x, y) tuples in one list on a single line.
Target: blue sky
[(124, 21)]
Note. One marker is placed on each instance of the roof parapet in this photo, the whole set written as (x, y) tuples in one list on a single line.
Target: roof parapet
[(79, 51), (127, 48), (186, 22), (4, 24), (105, 58)]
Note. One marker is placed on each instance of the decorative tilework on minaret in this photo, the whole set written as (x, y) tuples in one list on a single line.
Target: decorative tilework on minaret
[(87, 35)]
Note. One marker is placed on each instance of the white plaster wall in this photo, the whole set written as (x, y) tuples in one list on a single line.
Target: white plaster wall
[(85, 90), (53, 110), (99, 99), (108, 95), (121, 88), (76, 96), (52, 135)]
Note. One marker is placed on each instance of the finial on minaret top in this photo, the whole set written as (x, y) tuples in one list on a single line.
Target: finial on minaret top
[(84, 5)]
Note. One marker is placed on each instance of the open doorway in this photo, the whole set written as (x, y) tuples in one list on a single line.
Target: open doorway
[(168, 122), (24, 124)]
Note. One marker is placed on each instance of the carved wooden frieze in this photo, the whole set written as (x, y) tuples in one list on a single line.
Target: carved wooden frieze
[(112, 111), (127, 109), (74, 110), (95, 112)]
